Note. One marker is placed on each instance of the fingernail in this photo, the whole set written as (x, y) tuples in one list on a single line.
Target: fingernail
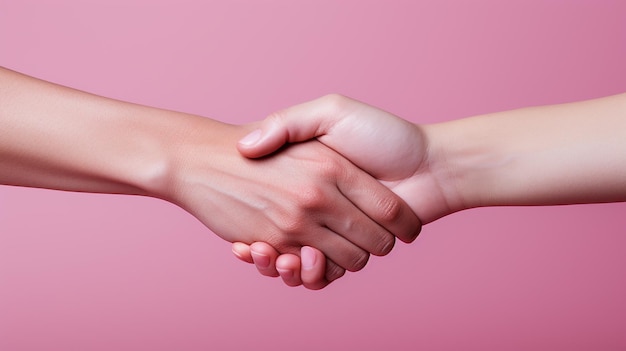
[(262, 261), (307, 256), (236, 253), (387, 248), (285, 273), (251, 138)]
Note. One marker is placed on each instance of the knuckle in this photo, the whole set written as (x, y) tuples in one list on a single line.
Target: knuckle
[(350, 224), (289, 225), (293, 229), (379, 243), (330, 167), (390, 209), (311, 197), (286, 245), (276, 117), (278, 240), (335, 101)]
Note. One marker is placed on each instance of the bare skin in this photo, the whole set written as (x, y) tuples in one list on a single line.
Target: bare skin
[(551, 155), (59, 138)]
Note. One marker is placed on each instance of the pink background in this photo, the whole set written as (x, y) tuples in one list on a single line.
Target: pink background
[(102, 272)]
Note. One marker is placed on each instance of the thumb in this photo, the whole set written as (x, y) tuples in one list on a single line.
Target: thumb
[(263, 141), (295, 124)]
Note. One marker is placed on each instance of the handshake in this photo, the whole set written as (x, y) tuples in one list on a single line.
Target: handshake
[(534, 156), (401, 175), (343, 210), (313, 190)]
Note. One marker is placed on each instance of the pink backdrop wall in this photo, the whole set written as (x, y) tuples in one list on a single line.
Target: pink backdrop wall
[(100, 272)]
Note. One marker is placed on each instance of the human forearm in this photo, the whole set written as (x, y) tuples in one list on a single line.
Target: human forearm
[(560, 154), (60, 138), (572, 153)]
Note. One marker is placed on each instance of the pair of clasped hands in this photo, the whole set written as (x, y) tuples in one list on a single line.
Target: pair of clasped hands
[(384, 189), (311, 211), (315, 189)]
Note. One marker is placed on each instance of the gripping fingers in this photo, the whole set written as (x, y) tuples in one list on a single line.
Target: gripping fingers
[(288, 266), (242, 252), (264, 257), (316, 274), (381, 205), (359, 229), (313, 271), (339, 250)]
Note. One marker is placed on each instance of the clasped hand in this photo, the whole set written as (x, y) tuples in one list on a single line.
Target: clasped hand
[(390, 149), (319, 207), (309, 196)]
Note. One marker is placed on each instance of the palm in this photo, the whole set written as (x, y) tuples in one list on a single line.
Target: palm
[(393, 151)]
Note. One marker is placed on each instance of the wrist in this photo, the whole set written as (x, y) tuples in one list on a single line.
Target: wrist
[(462, 162), (486, 160), (144, 157), (188, 145), (164, 141)]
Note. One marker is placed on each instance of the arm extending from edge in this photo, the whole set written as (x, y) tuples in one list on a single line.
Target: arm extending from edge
[(550, 155), (59, 138)]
